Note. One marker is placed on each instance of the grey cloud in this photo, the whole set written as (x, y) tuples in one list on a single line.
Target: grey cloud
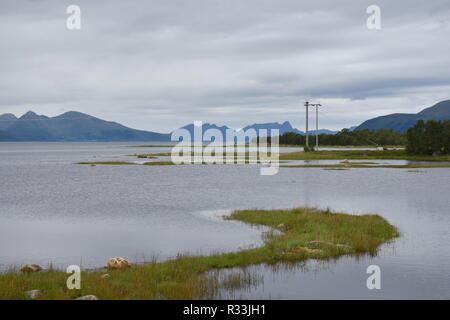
[(159, 64)]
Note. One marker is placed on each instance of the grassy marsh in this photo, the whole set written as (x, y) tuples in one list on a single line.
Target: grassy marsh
[(255, 157), (108, 162), (151, 155), (152, 163), (152, 146), (332, 155), (159, 163), (360, 155), (345, 147), (306, 233), (357, 165)]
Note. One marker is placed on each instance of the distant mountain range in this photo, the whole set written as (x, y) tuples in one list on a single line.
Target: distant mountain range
[(286, 127), (70, 126), (281, 127), (77, 126), (402, 121)]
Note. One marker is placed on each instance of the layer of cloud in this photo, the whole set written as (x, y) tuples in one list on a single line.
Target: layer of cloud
[(157, 65)]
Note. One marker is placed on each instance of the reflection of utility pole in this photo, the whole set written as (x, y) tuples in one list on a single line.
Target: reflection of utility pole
[(317, 105)]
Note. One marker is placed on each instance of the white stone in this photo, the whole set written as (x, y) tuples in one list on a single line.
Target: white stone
[(33, 294), (88, 297)]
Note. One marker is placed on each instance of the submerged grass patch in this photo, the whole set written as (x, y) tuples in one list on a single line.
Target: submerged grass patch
[(159, 163), (152, 163), (151, 155), (152, 146), (108, 162), (305, 233)]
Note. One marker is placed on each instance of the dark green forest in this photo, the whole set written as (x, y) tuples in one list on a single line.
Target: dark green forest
[(428, 138), (346, 137), (424, 138)]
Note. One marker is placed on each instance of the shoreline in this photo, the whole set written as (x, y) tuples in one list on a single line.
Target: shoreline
[(306, 233)]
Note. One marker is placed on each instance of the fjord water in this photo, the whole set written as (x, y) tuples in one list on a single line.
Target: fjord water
[(53, 211)]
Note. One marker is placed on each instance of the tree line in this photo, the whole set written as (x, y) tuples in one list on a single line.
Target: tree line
[(346, 137), (428, 138)]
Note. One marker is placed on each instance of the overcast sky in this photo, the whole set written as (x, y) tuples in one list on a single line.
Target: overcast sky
[(157, 65)]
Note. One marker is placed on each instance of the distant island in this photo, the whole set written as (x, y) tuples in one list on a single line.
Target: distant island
[(77, 126)]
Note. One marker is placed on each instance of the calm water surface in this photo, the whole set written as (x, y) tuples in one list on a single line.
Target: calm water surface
[(53, 211)]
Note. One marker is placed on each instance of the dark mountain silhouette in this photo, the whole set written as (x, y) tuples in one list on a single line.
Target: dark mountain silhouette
[(282, 128), (74, 126), (6, 120), (6, 137), (286, 127), (77, 126), (403, 121), (205, 126)]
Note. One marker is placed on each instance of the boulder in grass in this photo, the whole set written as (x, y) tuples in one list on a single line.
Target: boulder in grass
[(118, 264), (31, 268)]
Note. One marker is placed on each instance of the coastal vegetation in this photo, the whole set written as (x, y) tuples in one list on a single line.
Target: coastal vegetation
[(359, 165), (152, 146), (361, 155), (108, 162), (153, 163), (254, 157), (346, 137), (303, 233), (151, 155), (428, 138), (159, 163), (386, 154)]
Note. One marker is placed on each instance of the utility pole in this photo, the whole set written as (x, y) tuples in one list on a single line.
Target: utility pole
[(317, 105), (307, 105)]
